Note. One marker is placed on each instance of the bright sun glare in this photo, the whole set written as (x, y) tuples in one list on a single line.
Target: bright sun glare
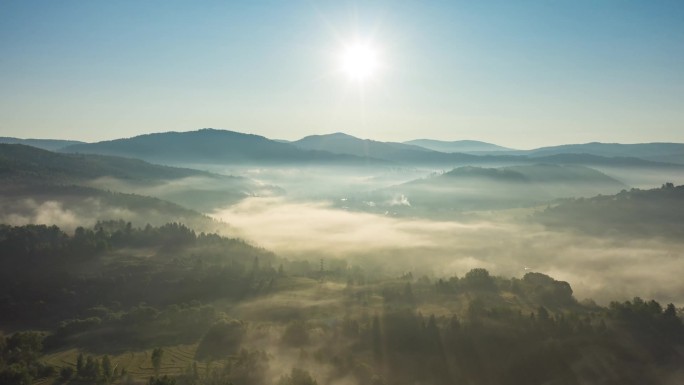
[(359, 61)]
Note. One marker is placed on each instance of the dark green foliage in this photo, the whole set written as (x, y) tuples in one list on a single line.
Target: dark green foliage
[(489, 330), (20, 358), (165, 380), (637, 213), (91, 369), (298, 377), (156, 358), (657, 330), (80, 363), (15, 374), (296, 334), (190, 267), (244, 368), (247, 368), (222, 339), (478, 279), (66, 373), (545, 290)]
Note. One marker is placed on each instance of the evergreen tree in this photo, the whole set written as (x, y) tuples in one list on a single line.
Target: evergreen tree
[(157, 355)]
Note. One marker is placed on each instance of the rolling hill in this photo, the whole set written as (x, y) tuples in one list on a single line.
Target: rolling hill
[(341, 143), (471, 188), (45, 144), (212, 147), (659, 152), (463, 146), (200, 190), (222, 147), (461, 153), (630, 213), (400, 153), (20, 160), (533, 183), (69, 206)]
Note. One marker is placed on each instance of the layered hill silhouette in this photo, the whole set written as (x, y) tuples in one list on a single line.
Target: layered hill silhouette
[(536, 182), (69, 205), (30, 168), (209, 146), (659, 152), (45, 144), (20, 160), (37, 185), (474, 147), (479, 188), (223, 147), (341, 143), (629, 213), (437, 153)]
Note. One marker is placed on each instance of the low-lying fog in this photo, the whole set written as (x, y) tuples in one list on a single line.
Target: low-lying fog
[(298, 213), (599, 268)]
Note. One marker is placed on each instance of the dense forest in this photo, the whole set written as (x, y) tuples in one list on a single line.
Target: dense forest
[(205, 309), (638, 213)]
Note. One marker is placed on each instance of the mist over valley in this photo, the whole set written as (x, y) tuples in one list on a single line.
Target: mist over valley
[(336, 229), (341, 193)]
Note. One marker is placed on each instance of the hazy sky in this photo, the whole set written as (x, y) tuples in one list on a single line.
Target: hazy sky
[(516, 73)]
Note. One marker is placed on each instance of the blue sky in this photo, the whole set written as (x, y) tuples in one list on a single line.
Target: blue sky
[(521, 74)]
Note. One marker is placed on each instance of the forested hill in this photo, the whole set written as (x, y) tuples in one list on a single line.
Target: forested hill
[(30, 170), (21, 161), (481, 188), (641, 213), (340, 143), (213, 147), (661, 152), (463, 146), (114, 297), (45, 144), (70, 205)]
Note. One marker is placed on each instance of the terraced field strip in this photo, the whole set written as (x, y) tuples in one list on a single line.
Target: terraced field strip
[(41, 381), (175, 360), (62, 358)]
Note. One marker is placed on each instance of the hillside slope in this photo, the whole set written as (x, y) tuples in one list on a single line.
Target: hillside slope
[(45, 144), (210, 146), (464, 146)]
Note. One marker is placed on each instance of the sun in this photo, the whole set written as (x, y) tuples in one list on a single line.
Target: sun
[(359, 61)]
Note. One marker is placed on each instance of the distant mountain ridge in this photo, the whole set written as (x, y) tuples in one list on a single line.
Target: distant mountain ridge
[(477, 188), (473, 188), (660, 213), (200, 190), (658, 152), (655, 152), (341, 143), (213, 146), (207, 145), (19, 159), (22, 160), (463, 146), (471, 152), (532, 173), (45, 144)]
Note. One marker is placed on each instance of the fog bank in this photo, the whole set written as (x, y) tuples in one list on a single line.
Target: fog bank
[(599, 268)]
